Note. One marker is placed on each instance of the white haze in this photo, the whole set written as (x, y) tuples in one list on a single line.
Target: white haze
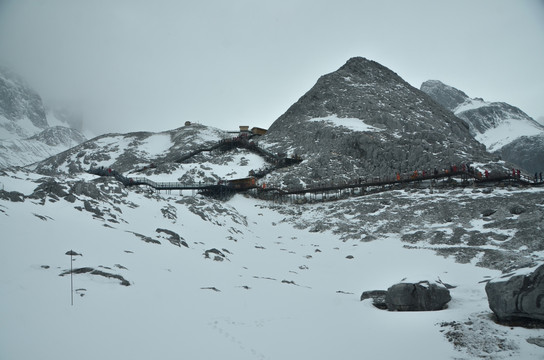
[(141, 65)]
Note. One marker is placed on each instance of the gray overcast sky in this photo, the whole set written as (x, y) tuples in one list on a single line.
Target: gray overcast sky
[(134, 65)]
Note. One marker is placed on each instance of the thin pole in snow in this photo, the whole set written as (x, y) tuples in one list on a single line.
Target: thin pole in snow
[(71, 277), (72, 253)]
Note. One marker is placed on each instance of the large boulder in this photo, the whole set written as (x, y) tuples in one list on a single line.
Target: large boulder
[(422, 296), (517, 296)]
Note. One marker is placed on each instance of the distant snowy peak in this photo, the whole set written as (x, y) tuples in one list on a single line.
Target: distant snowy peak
[(493, 123), (20, 129), (133, 151), (497, 125), (49, 142)]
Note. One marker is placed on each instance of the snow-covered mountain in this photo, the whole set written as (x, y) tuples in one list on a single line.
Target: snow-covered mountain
[(499, 126), (174, 274), (49, 142), (149, 153), (29, 132)]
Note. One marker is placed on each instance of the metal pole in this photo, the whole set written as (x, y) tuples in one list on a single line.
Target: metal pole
[(71, 278)]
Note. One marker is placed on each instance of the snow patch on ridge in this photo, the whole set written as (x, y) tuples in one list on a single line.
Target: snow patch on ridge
[(506, 132), (470, 104), (156, 144), (350, 123)]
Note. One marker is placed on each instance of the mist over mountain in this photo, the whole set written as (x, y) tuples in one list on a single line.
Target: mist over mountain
[(21, 109), (503, 128), (30, 132)]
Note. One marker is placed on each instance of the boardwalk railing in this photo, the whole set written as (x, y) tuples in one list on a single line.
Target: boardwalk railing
[(228, 187)]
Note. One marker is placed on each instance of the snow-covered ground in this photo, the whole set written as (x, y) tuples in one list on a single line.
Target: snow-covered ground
[(280, 292)]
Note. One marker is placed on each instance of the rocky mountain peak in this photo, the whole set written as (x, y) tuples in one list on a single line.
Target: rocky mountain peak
[(365, 119), (445, 95), (365, 69)]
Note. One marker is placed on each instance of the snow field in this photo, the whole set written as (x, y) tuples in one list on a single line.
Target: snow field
[(283, 293)]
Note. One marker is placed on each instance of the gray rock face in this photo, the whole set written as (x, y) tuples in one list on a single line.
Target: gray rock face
[(447, 96), (518, 297), (423, 296), (527, 152), (365, 119)]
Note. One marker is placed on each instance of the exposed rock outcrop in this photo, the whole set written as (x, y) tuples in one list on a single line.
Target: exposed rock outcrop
[(92, 271), (173, 237)]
